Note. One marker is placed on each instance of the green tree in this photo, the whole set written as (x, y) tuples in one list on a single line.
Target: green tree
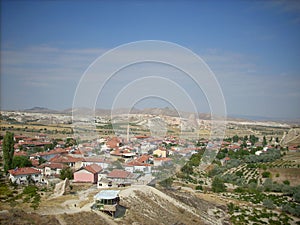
[(42, 160), (166, 183), (239, 173), (187, 169), (296, 195), (286, 182), (266, 174), (268, 203), (8, 150), (70, 142), (235, 138), (21, 161), (218, 185), (264, 143), (221, 155), (253, 139), (66, 173), (244, 144)]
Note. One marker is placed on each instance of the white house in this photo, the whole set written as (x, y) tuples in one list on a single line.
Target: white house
[(162, 161), (22, 175), (104, 163), (103, 182), (258, 152), (51, 169), (135, 166)]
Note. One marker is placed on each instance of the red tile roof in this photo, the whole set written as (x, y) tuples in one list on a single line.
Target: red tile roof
[(143, 158), (53, 152), (53, 165), (119, 174), (93, 159), (64, 159), (136, 163), (141, 136), (94, 168), (113, 143), (24, 171), (163, 159)]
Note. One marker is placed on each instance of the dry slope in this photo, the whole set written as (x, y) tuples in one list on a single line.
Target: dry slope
[(147, 205)]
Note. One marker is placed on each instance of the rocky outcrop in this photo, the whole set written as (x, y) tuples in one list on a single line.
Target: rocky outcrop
[(61, 188), (291, 138)]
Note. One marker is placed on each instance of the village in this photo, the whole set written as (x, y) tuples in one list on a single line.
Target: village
[(109, 165)]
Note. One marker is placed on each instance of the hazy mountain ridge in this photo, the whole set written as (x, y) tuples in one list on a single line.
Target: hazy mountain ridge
[(156, 111)]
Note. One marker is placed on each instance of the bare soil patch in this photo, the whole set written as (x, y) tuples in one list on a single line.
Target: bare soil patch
[(290, 174), (19, 217)]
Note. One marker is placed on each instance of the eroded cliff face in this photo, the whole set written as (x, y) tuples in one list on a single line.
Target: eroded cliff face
[(61, 188), (292, 137)]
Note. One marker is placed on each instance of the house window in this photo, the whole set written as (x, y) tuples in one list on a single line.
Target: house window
[(100, 184)]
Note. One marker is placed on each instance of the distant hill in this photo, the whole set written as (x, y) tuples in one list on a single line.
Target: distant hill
[(40, 110), (158, 111)]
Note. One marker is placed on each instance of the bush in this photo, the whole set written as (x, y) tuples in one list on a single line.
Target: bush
[(296, 195), (31, 193), (239, 173), (187, 169), (166, 183), (286, 182), (21, 161), (199, 187), (66, 173), (266, 174), (268, 203), (218, 185)]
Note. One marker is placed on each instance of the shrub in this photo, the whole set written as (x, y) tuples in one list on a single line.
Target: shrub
[(286, 182), (218, 185), (239, 173), (66, 173), (268, 203), (166, 183), (266, 174), (199, 187)]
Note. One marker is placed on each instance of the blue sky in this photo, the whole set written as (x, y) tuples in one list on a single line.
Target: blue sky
[(251, 46)]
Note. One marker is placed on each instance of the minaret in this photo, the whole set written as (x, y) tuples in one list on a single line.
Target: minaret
[(127, 137)]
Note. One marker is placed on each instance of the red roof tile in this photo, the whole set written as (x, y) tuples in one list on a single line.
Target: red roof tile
[(93, 159), (143, 158), (163, 159), (53, 165), (24, 171), (64, 159), (118, 174), (53, 152), (136, 163), (94, 168)]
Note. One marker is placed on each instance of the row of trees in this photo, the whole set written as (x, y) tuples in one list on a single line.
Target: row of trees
[(11, 161), (8, 150), (269, 156), (252, 138)]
